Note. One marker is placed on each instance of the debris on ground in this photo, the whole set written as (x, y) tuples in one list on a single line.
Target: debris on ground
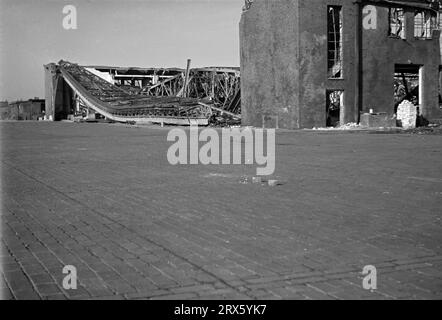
[(432, 129), (262, 181), (348, 126)]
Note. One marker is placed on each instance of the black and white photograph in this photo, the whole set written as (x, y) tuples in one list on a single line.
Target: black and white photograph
[(220, 154)]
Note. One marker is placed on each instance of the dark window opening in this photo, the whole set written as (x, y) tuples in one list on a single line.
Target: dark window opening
[(334, 105), (334, 41), (397, 23)]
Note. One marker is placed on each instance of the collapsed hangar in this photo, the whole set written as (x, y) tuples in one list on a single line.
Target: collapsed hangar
[(173, 96)]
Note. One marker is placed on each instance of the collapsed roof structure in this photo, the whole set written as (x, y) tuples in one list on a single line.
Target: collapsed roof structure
[(143, 95)]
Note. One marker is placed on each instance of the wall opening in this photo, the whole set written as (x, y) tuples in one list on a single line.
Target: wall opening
[(439, 19), (334, 107), (407, 84), (424, 24), (63, 99), (334, 42), (397, 23)]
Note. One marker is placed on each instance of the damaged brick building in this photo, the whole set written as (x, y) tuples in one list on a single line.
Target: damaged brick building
[(316, 63)]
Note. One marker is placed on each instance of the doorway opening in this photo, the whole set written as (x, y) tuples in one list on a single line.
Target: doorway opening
[(407, 84), (334, 106)]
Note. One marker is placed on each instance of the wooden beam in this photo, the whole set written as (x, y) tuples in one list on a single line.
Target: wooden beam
[(186, 79), (237, 116)]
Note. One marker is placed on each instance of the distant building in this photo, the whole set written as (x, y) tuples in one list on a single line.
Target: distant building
[(316, 63), (31, 109)]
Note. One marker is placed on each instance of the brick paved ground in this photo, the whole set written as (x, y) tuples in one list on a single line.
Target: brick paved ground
[(103, 198)]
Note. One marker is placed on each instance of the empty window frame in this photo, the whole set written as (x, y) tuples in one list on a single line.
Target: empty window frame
[(397, 23), (424, 24), (439, 20), (334, 42)]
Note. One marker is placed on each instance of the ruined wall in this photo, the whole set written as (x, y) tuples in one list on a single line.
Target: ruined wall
[(269, 63), (381, 53), (284, 62)]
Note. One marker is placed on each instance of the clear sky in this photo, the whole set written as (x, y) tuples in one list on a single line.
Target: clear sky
[(143, 33)]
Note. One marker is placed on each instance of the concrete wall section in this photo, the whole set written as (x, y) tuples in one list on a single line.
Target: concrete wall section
[(269, 64), (314, 79), (50, 72)]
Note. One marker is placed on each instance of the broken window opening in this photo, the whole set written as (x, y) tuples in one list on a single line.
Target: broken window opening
[(247, 5), (397, 23), (334, 42), (424, 24), (334, 105)]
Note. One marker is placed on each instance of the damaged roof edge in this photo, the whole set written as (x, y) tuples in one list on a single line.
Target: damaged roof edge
[(423, 4), (141, 69)]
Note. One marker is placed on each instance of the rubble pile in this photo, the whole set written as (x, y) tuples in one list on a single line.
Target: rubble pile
[(407, 115)]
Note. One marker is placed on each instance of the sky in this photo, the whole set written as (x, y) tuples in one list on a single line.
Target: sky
[(130, 33)]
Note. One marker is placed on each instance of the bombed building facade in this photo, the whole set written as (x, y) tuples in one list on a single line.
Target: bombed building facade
[(316, 63)]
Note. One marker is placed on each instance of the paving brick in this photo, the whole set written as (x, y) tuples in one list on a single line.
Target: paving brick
[(41, 278), (26, 294), (58, 296), (197, 288), (120, 287), (179, 296), (147, 294), (111, 297), (79, 293), (6, 294), (46, 289)]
